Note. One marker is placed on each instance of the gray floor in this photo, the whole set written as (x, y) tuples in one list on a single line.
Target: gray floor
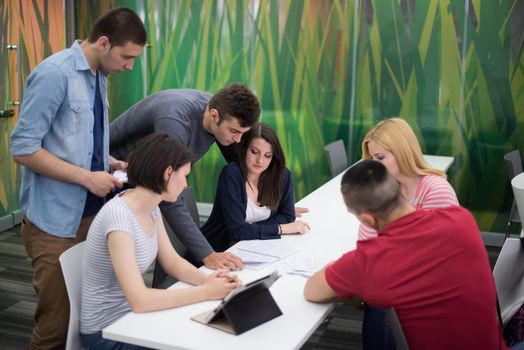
[(17, 298), (341, 330)]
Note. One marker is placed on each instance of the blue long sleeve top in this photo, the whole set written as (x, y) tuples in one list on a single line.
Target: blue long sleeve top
[(227, 223)]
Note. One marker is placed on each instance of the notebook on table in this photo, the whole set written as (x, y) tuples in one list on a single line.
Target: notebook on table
[(272, 248), (257, 255)]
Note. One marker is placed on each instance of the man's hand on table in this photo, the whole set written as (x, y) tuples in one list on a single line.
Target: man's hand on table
[(223, 260)]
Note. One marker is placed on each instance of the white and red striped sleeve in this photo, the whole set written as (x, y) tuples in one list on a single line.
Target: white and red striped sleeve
[(434, 192), (365, 232)]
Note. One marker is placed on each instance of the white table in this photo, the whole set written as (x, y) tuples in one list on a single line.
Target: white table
[(333, 232), (439, 162)]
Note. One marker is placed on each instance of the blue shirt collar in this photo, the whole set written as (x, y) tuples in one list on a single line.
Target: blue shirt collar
[(80, 58)]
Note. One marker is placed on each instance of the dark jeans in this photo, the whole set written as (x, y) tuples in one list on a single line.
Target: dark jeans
[(376, 332), (95, 341), (514, 330)]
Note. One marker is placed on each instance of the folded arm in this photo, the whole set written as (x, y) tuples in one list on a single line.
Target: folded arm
[(318, 290)]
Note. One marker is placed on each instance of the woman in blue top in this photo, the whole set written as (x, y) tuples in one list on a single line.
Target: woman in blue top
[(254, 198)]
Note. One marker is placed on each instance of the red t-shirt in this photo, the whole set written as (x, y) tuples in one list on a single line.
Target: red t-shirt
[(432, 267)]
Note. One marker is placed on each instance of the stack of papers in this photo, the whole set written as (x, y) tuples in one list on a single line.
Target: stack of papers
[(269, 248), (305, 265), (258, 254)]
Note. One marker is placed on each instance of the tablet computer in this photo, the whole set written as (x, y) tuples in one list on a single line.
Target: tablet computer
[(244, 307)]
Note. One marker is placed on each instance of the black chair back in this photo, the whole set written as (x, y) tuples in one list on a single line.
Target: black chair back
[(396, 327)]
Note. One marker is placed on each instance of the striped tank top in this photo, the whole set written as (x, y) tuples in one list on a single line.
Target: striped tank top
[(103, 300)]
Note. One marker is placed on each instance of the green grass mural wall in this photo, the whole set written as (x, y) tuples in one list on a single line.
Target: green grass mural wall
[(331, 69)]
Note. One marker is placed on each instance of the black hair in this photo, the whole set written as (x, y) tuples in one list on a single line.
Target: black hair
[(367, 186), (236, 101), (270, 182), (150, 159), (120, 25)]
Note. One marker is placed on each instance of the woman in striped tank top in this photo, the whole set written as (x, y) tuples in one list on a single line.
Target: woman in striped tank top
[(126, 237), (393, 143)]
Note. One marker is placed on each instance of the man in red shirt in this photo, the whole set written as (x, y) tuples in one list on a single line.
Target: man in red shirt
[(430, 265)]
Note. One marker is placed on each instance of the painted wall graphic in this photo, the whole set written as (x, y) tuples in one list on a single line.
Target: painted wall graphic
[(29, 32), (329, 69)]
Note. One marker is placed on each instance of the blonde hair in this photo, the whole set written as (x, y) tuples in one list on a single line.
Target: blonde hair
[(397, 137)]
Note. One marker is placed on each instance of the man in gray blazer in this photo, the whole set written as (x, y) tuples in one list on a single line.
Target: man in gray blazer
[(197, 119)]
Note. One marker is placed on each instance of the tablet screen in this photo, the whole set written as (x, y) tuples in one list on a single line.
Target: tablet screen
[(267, 281)]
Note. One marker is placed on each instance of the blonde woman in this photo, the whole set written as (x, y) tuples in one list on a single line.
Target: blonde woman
[(393, 143)]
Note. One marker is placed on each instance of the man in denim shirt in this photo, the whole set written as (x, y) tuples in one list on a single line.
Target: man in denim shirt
[(62, 142)]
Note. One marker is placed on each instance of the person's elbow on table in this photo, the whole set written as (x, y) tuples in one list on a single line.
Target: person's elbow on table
[(318, 290)]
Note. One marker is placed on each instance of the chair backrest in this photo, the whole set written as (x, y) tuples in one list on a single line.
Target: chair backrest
[(337, 157), (396, 327), (509, 278), (513, 163), (71, 263)]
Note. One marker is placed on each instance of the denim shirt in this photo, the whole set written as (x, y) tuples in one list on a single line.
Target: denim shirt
[(57, 115)]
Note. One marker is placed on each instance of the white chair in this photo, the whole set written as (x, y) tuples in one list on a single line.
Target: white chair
[(337, 157), (509, 278), (71, 263)]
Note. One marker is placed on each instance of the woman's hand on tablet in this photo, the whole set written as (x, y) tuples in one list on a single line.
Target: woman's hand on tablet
[(219, 284)]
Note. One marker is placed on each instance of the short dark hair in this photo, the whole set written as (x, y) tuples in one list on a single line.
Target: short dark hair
[(237, 101), (270, 182), (367, 186), (120, 25), (150, 159)]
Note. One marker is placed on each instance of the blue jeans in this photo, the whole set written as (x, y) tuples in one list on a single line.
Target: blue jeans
[(376, 332), (519, 346), (95, 341)]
